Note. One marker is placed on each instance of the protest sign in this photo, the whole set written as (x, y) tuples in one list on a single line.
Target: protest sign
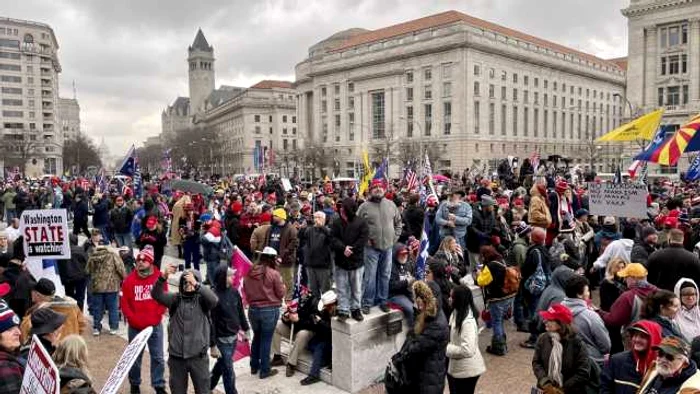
[(286, 184), (132, 351), (45, 233), (40, 375), (618, 199)]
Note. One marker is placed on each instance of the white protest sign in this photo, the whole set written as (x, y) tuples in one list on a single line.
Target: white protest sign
[(132, 351), (45, 233), (40, 375), (618, 199), (286, 184)]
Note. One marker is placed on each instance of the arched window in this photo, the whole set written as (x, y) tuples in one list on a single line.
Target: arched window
[(28, 38)]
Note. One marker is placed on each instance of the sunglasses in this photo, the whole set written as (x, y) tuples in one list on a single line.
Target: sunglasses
[(666, 356)]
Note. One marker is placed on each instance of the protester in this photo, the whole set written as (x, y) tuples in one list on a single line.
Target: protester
[(499, 299), (142, 311), (350, 235), (106, 270), (688, 316), (517, 257), (413, 217), (465, 362), (624, 371), (294, 323), (612, 286), (452, 253), (384, 225), (228, 318), (560, 362), (588, 324), (189, 227), (423, 354), (210, 240), (454, 216), (662, 307), (44, 296), (189, 330), (438, 279), (281, 236), (674, 371), (539, 214), (667, 266), (618, 249), (120, 218), (321, 343), (47, 325), (72, 272), (21, 284), (401, 281), (537, 262), (645, 246), (71, 359), (316, 243), (153, 234), (100, 216), (482, 228), (264, 289), (80, 215), (11, 367)]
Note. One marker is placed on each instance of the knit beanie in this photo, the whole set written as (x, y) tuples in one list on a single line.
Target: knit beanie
[(8, 318), (146, 254)]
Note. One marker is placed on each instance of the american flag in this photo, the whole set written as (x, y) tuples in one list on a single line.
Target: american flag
[(411, 179), (167, 162), (535, 160), (422, 258)]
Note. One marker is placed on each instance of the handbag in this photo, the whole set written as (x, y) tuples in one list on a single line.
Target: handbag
[(537, 282)]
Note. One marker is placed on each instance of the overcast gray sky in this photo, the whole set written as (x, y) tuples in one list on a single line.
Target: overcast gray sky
[(127, 57)]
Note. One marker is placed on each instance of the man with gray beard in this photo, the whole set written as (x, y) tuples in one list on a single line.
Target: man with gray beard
[(675, 372)]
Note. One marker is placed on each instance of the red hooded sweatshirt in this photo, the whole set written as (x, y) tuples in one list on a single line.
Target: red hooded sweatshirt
[(139, 308), (654, 331)]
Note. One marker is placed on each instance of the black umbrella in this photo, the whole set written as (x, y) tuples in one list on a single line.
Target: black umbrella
[(188, 186)]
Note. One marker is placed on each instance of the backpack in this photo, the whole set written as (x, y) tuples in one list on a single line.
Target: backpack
[(537, 282), (395, 378), (511, 279), (555, 252)]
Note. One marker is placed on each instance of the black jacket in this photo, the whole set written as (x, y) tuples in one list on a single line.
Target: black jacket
[(423, 356), (120, 219), (80, 210), (575, 366), (641, 252), (21, 282), (73, 269), (316, 242), (156, 238), (74, 381), (353, 232), (482, 227), (413, 222), (228, 316), (398, 281), (668, 265), (231, 224), (532, 258), (101, 215), (494, 290), (619, 376)]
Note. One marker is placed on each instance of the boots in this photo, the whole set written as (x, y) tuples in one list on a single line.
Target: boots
[(498, 346)]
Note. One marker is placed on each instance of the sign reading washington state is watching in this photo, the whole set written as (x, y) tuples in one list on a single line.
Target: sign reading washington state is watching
[(45, 233)]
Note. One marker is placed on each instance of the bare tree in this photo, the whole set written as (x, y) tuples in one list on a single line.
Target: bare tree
[(81, 153), (17, 150)]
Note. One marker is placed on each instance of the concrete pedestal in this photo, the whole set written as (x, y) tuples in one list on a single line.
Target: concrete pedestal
[(361, 350)]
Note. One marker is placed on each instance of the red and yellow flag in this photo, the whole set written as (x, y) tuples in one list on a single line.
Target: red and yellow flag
[(669, 153)]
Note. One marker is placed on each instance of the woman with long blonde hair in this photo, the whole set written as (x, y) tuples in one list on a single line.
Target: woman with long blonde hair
[(71, 358)]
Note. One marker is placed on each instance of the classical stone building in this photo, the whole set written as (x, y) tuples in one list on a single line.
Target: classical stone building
[(663, 65), (29, 69), (69, 118), (262, 116), (473, 90)]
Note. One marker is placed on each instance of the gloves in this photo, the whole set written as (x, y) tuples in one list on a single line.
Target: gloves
[(214, 352)]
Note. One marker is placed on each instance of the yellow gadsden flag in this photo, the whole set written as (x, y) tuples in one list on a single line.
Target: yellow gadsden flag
[(642, 128), (369, 173)]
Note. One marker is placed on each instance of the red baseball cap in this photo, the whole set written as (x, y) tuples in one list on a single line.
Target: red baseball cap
[(5, 289), (559, 313)]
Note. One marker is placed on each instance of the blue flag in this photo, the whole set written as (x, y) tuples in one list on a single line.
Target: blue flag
[(693, 172), (128, 166), (381, 171), (423, 255), (655, 144)]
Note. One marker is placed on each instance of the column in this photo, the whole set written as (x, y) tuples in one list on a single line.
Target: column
[(694, 59), (651, 60)]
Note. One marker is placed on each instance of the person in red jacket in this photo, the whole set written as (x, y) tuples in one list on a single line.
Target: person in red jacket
[(141, 312)]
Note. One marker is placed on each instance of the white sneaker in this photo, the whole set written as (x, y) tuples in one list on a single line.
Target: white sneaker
[(112, 332), (95, 333)]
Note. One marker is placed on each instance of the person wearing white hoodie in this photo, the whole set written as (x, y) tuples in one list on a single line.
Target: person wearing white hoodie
[(622, 249), (688, 316), (589, 325), (465, 361)]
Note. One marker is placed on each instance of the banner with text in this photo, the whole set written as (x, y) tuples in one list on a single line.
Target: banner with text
[(618, 199), (45, 233), (125, 362), (40, 374)]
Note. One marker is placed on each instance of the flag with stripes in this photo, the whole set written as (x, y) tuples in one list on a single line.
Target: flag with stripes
[(167, 162), (411, 180), (422, 258), (535, 160)]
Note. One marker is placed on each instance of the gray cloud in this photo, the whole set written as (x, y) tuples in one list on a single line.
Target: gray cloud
[(128, 57)]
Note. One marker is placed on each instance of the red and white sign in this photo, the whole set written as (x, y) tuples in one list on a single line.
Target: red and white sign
[(125, 362), (45, 233), (40, 375)]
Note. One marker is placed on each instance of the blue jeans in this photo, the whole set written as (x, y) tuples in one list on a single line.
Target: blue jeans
[(104, 230), (498, 310), (224, 367), (406, 306), (9, 215), (155, 350), (375, 283), (124, 239), (348, 285), (321, 351), (192, 255), (263, 322), (100, 301)]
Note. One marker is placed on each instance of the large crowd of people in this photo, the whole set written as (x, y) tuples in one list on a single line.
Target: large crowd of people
[(322, 252)]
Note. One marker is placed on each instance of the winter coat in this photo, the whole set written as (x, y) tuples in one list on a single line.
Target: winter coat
[(156, 238), (100, 217), (75, 381), (137, 305), (8, 199), (263, 287), (463, 353), (494, 290), (189, 329), (463, 219), (80, 210), (619, 249), (688, 320), (11, 373), (178, 213), (210, 247), (687, 382), (400, 279), (590, 327), (628, 307), (423, 356), (668, 326), (75, 320), (73, 269), (316, 243), (106, 270), (536, 254), (288, 242), (228, 316), (519, 251), (538, 213), (352, 232), (413, 222), (481, 229), (21, 283), (610, 291), (575, 366), (120, 219), (554, 292), (641, 252), (667, 266), (620, 376), (383, 221)]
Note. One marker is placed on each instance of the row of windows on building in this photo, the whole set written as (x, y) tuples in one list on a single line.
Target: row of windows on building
[(285, 130), (30, 80), (257, 118), (285, 144), (47, 116), (672, 95), (20, 126)]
